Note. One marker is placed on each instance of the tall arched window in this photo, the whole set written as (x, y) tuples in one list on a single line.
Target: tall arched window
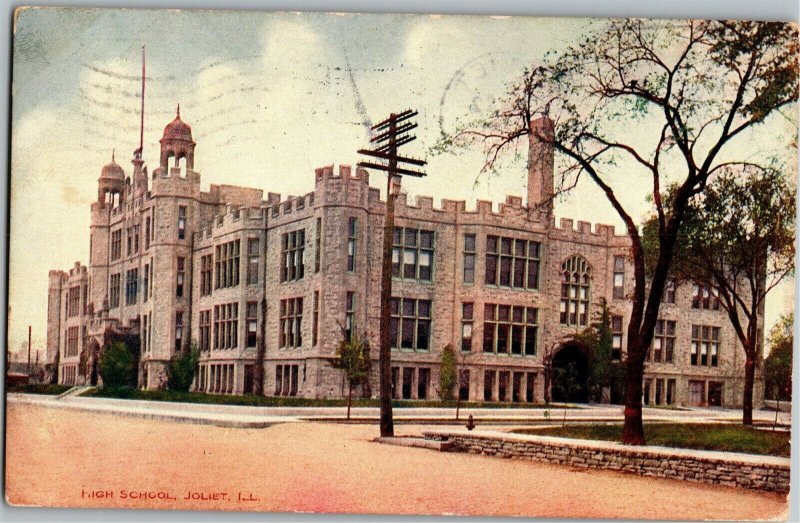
[(576, 277)]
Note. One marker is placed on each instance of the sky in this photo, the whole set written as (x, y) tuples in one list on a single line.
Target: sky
[(270, 97)]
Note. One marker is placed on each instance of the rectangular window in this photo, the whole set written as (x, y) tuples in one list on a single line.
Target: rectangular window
[(510, 329), (286, 380), (408, 378), (352, 239), (530, 387), (663, 349), (143, 333), (205, 330), (227, 264), (291, 322), (669, 292), (136, 230), (129, 240), (181, 222), (131, 283), (616, 338), (423, 383), (410, 326), (467, 311), (315, 320), (659, 391), (178, 331), (116, 244), (146, 285), (73, 301), (704, 297), (72, 341), (412, 254), (206, 270), (318, 245), (253, 248), (488, 385), (226, 326), (114, 291), (502, 385), (670, 392), (147, 232), (349, 315), (252, 324), (619, 277), (292, 255), (181, 276), (463, 384), (469, 258), (705, 345), (512, 262)]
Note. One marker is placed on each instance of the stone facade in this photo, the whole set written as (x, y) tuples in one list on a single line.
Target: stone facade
[(722, 468), (229, 268)]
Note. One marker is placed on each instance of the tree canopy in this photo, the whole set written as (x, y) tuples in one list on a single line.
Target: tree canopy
[(665, 100), (778, 365), (117, 366)]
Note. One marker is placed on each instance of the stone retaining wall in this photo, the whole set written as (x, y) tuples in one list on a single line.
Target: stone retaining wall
[(767, 473)]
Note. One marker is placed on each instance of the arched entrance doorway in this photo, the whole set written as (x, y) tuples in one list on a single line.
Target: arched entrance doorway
[(570, 371), (89, 360)]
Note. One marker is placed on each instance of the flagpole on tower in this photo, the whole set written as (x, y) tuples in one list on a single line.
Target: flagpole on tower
[(141, 122)]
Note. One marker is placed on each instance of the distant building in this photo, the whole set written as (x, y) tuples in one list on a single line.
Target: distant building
[(504, 285)]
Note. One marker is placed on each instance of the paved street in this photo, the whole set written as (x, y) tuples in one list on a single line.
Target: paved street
[(113, 460)]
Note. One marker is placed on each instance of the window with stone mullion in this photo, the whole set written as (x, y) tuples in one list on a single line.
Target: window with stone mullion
[(575, 291), (510, 329), (512, 263), (412, 254), (410, 324)]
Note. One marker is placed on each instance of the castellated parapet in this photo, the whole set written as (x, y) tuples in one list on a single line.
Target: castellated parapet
[(230, 269)]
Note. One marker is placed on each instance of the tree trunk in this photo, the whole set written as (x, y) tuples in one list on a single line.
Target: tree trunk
[(349, 398), (633, 429), (777, 408), (749, 381), (548, 379)]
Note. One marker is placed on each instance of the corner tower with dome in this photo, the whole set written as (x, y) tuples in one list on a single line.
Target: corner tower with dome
[(137, 286)]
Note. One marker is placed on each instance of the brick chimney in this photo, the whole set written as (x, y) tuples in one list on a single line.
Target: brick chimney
[(540, 166)]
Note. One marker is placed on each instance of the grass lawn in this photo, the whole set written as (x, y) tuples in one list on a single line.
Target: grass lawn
[(705, 436), (40, 389), (264, 401)]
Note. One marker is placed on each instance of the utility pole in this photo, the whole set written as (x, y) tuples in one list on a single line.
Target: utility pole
[(392, 134)]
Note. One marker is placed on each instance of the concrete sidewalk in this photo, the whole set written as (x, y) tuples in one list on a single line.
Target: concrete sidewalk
[(179, 412), (253, 417)]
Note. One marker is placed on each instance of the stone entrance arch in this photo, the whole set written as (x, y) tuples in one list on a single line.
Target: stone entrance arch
[(570, 373), (89, 360)]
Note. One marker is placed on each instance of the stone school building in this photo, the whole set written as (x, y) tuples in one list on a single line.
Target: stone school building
[(171, 265)]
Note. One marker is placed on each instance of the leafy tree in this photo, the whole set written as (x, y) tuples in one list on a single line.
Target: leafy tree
[(669, 99), (447, 373), (117, 366), (778, 365), (603, 371), (352, 356), (182, 368), (738, 240)]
